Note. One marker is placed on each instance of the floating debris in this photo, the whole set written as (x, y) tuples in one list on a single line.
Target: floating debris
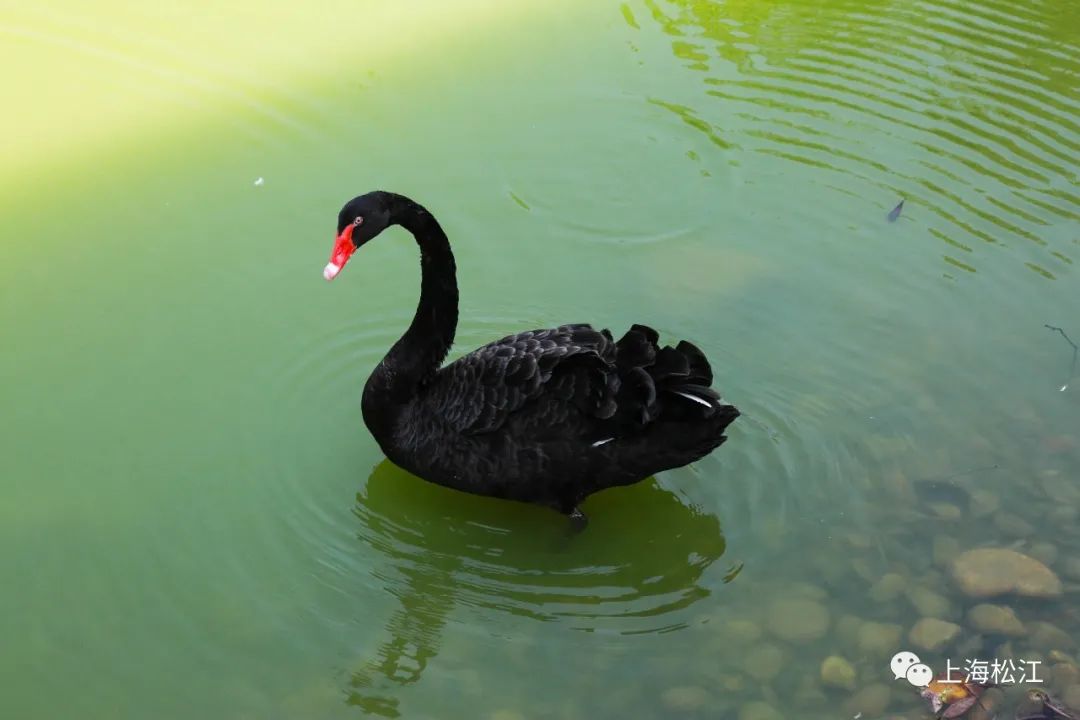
[(1072, 368), (259, 182), (950, 698), (524, 205), (1049, 708), (895, 212)]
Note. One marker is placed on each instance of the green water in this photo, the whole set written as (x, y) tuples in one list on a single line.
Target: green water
[(195, 522)]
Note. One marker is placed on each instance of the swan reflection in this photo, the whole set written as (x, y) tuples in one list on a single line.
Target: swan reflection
[(639, 563)]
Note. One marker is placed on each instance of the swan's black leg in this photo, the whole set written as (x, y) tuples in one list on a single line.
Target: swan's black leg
[(578, 520)]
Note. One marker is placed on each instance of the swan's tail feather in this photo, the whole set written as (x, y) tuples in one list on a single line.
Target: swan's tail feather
[(707, 401), (639, 390), (670, 363), (666, 382), (700, 371), (651, 335), (634, 350)]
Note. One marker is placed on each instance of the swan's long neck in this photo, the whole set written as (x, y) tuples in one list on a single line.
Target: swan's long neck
[(419, 353)]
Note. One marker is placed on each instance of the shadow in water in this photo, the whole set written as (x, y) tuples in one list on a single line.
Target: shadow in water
[(491, 562)]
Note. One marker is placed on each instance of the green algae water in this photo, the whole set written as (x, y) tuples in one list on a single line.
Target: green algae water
[(194, 521)]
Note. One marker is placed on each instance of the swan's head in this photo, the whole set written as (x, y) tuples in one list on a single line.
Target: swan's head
[(360, 220)]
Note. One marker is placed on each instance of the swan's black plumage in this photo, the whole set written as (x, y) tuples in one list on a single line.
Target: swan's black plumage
[(544, 416)]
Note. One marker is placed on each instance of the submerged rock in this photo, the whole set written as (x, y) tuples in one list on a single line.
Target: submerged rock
[(1063, 675), (1071, 697), (995, 619), (1058, 487), (1044, 552), (1063, 516), (732, 683), (1070, 568), (933, 578), (859, 541), (945, 511), (983, 503), (758, 710), (805, 590), (808, 693), (865, 569), (888, 588), (879, 639), (798, 619), (838, 673), (765, 661), (1049, 636), (945, 549), (871, 701), (686, 698), (987, 707), (741, 632), (970, 645), (989, 572), (1013, 525), (847, 630), (1005, 651), (933, 634), (507, 715), (929, 603)]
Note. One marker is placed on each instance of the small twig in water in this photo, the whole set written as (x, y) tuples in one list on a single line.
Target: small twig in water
[(1057, 329), (1076, 350), (895, 212)]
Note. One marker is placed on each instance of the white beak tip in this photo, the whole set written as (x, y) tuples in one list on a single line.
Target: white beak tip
[(330, 271)]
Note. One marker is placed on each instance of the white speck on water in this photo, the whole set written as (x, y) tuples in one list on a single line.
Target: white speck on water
[(1064, 387), (598, 443), (259, 181)]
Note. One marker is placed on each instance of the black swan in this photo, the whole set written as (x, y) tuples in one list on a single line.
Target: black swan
[(545, 416)]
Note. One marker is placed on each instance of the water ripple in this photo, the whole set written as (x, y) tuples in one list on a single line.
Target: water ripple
[(426, 544), (519, 560), (984, 105)]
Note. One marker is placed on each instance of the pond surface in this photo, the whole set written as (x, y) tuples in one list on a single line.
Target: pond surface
[(196, 523)]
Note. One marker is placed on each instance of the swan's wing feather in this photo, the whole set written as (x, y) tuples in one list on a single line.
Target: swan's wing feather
[(574, 363)]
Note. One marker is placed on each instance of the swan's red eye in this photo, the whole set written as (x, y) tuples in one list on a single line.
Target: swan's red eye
[(344, 247)]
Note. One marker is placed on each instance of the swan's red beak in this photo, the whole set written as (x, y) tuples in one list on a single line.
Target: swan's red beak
[(343, 250)]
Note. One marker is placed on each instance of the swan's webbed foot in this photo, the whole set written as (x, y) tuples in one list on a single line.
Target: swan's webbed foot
[(578, 520)]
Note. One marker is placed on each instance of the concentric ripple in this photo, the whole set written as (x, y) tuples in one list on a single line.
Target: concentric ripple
[(323, 380), (966, 109), (436, 556), (451, 557), (488, 555)]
